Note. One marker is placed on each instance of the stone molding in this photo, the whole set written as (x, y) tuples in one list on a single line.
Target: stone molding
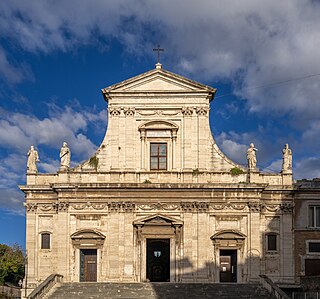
[(202, 111), (114, 111), (158, 206), (194, 206), (128, 111), (187, 111)]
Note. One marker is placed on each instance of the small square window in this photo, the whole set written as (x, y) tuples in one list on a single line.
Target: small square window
[(314, 247), (272, 242), (45, 241)]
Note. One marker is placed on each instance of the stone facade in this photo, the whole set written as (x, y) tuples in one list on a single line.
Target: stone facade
[(307, 229), (159, 200)]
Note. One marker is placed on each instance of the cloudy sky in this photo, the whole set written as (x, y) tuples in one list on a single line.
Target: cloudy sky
[(55, 56)]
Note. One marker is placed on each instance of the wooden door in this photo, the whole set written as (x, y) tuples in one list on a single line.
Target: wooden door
[(158, 259), (88, 265)]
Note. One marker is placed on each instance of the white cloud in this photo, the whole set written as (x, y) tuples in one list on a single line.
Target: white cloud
[(307, 168), (249, 43), (19, 131), (234, 150), (274, 167), (12, 200)]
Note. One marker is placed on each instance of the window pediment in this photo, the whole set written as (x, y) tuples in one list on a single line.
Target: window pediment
[(159, 125)]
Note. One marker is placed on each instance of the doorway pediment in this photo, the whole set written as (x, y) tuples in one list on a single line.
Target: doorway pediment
[(87, 237), (157, 219), (228, 235)]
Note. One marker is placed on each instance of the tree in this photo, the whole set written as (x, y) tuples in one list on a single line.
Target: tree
[(11, 264)]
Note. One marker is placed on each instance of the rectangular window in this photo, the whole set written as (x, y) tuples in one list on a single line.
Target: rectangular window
[(314, 247), (271, 242), (45, 241), (158, 156), (314, 216)]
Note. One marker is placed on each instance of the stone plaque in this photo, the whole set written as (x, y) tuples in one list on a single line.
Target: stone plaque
[(158, 133)]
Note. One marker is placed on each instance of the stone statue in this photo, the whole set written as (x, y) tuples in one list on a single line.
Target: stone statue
[(65, 156), (287, 159), (251, 157), (33, 158)]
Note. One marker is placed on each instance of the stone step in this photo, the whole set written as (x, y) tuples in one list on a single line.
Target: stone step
[(159, 290)]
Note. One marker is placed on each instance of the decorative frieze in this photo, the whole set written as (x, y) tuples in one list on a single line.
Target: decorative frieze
[(286, 208), (202, 111), (157, 112), (121, 206), (187, 111), (157, 206), (113, 111), (31, 207), (195, 206), (227, 206), (254, 206), (128, 111)]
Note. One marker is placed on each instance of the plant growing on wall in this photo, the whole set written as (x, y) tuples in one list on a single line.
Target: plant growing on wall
[(147, 182), (195, 172), (236, 171), (94, 162)]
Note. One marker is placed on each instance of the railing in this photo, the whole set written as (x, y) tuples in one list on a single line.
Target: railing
[(45, 286), (306, 295), (273, 288)]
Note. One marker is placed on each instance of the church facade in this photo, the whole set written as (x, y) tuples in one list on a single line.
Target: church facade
[(159, 201)]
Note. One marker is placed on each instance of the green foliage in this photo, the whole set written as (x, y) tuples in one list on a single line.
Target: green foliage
[(94, 162), (147, 182), (11, 264), (195, 172), (236, 171)]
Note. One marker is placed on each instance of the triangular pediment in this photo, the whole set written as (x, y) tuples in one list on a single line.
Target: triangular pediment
[(157, 219), (87, 234), (228, 235), (158, 80)]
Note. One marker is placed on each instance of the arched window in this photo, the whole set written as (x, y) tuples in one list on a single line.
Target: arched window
[(45, 241)]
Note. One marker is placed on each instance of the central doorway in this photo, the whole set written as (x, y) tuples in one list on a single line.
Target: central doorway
[(228, 265), (158, 259), (88, 264)]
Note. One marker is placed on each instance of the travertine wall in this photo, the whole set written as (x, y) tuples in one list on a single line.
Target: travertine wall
[(196, 202)]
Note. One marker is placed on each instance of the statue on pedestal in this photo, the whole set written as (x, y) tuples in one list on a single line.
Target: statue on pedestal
[(251, 157), (65, 157), (33, 158), (286, 159)]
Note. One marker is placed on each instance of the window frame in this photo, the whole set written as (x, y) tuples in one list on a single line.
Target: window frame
[(308, 247), (45, 244), (312, 216), (272, 234), (159, 156)]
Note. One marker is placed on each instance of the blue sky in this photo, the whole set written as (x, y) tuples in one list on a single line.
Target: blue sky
[(55, 56)]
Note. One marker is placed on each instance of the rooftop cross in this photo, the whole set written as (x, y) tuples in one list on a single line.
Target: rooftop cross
[(158, 50)]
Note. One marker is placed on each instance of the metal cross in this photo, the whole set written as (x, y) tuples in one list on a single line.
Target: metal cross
[(158, 50)]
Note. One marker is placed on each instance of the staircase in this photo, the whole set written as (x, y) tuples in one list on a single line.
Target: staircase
[(87, 290)]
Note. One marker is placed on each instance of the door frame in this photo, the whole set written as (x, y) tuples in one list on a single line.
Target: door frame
[(86, 261), (86, 239), (157, 226), (164, 241), (233, 263)]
